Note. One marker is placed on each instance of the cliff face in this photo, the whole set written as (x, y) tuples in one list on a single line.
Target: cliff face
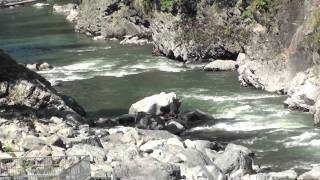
[(274, 41), (25, 94)]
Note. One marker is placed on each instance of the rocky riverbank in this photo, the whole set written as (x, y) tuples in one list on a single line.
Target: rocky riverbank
[(38, 121)]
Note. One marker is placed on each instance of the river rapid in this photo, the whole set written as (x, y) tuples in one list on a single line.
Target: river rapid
[(106, 78)]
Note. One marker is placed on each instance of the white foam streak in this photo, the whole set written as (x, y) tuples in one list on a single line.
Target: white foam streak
[(228, 98)]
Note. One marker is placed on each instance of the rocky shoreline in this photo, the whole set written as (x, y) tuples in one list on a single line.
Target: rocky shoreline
[(36, 120), (146, 150)]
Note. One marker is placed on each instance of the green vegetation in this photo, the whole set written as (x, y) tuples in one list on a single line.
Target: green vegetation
[(168, 4), (147, 6), (256, 5)]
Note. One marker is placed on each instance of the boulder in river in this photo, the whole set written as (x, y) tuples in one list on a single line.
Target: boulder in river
[(162, 103), (221, 65)]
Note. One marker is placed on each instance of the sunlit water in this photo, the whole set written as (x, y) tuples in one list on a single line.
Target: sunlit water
[(106, 78)]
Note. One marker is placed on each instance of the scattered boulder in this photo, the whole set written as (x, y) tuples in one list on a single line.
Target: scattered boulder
[(162, 103), (235, 158), (221, 65)]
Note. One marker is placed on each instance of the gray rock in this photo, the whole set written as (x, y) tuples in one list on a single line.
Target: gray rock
[(221, 65), (151, 145), (303, 92), (97, 154), (211, 172), (235, 158), (32, 142), (147, 169), (102, 170)]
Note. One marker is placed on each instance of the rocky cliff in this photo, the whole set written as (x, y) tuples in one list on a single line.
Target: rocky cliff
[(25, 94)]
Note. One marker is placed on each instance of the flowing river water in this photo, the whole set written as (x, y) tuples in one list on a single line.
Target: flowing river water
[(106, 78)]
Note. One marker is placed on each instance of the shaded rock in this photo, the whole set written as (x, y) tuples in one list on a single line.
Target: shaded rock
[(149, 121), (221, 65), (174, 127), (162, 103), (25, 93), (192, 118)]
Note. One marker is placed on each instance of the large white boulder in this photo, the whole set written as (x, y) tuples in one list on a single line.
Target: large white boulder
[(157, 104)]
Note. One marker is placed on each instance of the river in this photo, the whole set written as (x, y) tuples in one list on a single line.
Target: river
[(106, 78)]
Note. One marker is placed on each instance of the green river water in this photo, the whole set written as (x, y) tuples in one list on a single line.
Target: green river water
[(106, 78)]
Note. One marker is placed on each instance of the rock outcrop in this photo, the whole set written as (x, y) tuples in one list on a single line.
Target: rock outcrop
[(24, 93)]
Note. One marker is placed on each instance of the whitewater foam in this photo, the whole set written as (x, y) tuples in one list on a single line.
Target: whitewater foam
[(228, 98)]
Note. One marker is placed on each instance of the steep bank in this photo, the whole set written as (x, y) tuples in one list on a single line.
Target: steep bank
[(278, 39), (25, 94)]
